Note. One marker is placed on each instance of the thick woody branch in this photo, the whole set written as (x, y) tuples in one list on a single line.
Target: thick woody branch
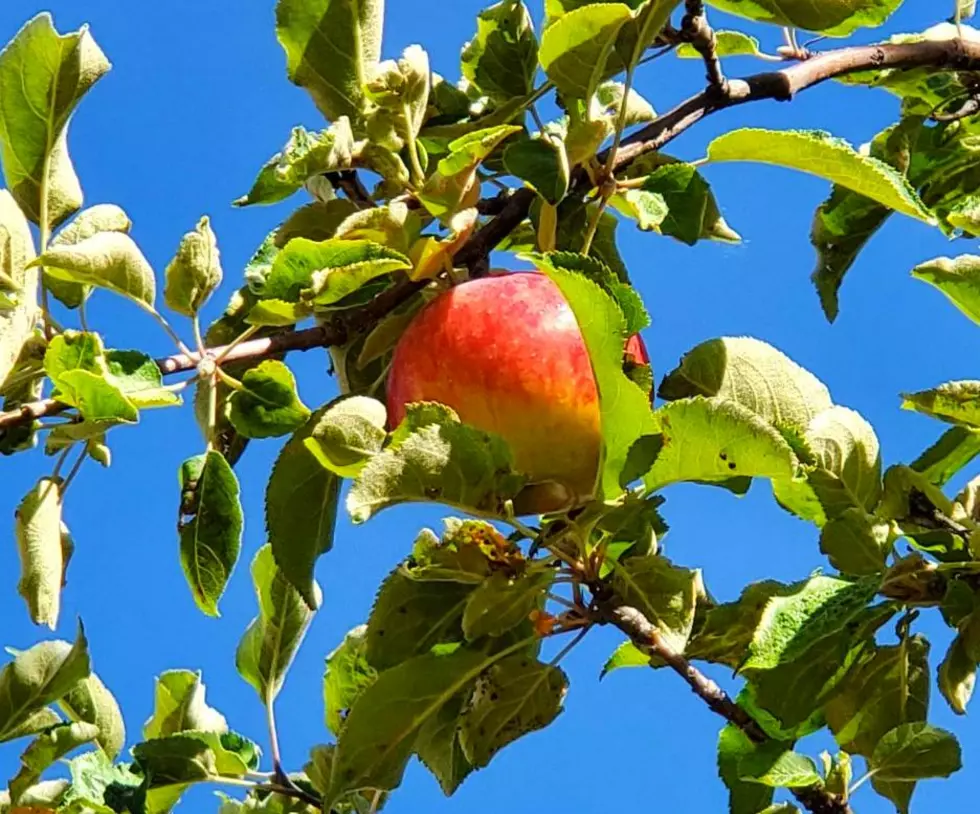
[(649, 639), (781, 85)]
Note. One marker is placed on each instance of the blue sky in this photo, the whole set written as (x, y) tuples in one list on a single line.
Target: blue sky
[(196, 102)]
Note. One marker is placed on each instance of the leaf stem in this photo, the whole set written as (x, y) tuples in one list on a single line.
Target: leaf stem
[(593, 226), (198, 338), (74, 470), (248, 333), (570, 646), (240, 782), (229, 380), (270, 719), (418, 174), (162, 320), (60, 463)]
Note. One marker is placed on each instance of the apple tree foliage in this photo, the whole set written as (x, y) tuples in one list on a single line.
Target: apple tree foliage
[(414, 179)]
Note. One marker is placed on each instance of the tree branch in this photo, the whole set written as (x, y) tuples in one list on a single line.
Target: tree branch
[(781, 85), (696, 31), (649, 639)]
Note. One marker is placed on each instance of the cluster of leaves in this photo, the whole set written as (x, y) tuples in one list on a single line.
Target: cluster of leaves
[(448, 666)]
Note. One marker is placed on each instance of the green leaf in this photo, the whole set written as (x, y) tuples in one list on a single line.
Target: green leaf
[(626, 655), (331, 48), (40, 536), (176, 760), (410, 617), (90, 701), (384, 724), (734, 746), (109, 260), (45, 750), (445, 190), (575, 47), (278, 313), (272, 638), (95, 219), (316, 221), (38, 677), (179, 706), (439, 748), (958, 279), (267, 405), (713, 440), (955, 448), (17, 323), (43, 76), (542, 164), (195, 272), (624, 409), (502, 57), (648, 209), (792, 623), (502, 602), (687, 196), (727, 44), (514, 697), (301, 509), (139, 378), (401, 92), (837, 19), (393, 225), (347, 675), (854, 543), (93, 777), (890, 688), (304, 156), (826, 157), (726, 631), (326, 272), (752, 374), (210, 528), (448, 462), (349, 434), (914, 751), (953, 402), (665, 593), (957, 673), (773, 765)]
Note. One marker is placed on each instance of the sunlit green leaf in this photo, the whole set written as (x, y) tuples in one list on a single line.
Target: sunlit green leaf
[(268, 404), (41, 542), (835, 19), (347, 675), (195, 272), (90, 701)]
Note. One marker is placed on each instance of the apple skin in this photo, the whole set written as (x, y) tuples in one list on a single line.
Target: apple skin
[(506, 353)]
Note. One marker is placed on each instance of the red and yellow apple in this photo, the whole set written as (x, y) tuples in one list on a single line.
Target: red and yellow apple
[(506, 353)]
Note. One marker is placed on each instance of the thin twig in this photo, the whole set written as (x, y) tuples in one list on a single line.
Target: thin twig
[(696, 31)]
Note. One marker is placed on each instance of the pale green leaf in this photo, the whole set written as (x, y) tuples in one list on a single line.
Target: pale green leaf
[(179, 706), (958, 279), (502, 57), (95, 219), (347, 675), (195, 272), (854, 543), (43, 76), (664, 593), (37, 677), (626, 655), (304, 155), (272, 638), (349, 434), (40, 542), (90, 701), (915, 751), (45, 750), (773, 765), (16, 254), (954, 402), (826, 157), (727, 44), (108, 260), (955, 449)]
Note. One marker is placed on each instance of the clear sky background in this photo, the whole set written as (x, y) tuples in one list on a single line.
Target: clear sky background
[(196, 102)]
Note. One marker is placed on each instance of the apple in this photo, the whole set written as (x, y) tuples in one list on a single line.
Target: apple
[(506, 353)]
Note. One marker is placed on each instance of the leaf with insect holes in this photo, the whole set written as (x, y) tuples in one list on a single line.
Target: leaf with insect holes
[(267, 405), (441, 460), (37, 677), (304, 155), (41, 542), (43, 76), (301, 509), (109, 260), (347, 675), (210, 528), (195, 272), (514, 697), (272, 638), (713, 440), (819, 154), (331, 47)]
